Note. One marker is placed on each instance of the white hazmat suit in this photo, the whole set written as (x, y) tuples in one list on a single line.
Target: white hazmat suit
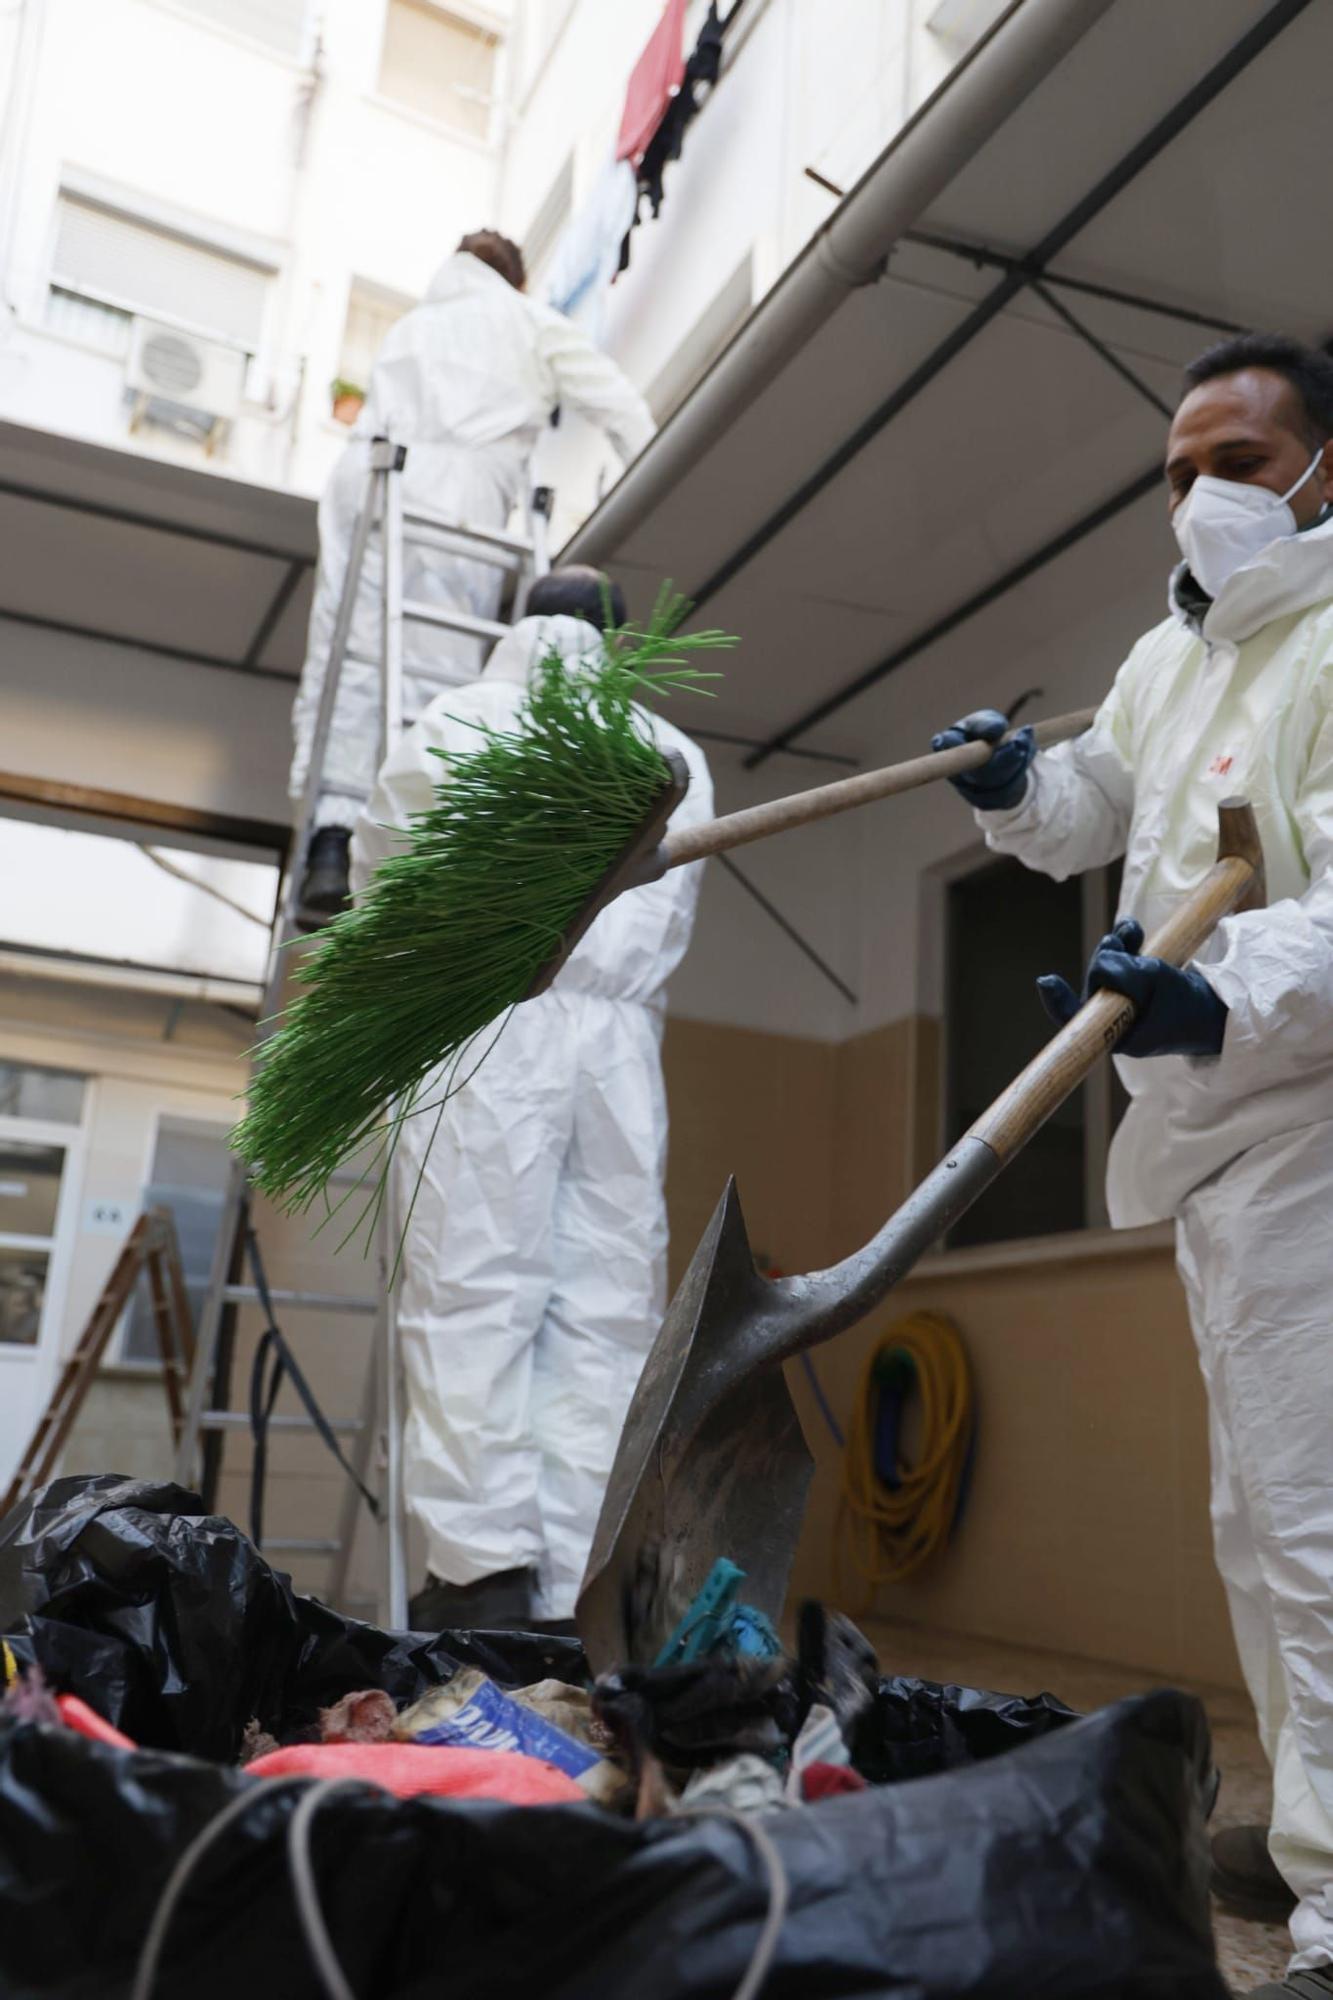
[(534, 1279), (1239, 1147), (467, 381)]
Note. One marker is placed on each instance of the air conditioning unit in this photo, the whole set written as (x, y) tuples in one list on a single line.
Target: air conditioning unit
[(180, 370)]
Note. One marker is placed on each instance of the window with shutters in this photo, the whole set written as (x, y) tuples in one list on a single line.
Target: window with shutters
[(278, 24), (109, 266), (371, 311), (440, 64)]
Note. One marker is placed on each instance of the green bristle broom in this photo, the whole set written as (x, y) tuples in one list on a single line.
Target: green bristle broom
[(457, 928)]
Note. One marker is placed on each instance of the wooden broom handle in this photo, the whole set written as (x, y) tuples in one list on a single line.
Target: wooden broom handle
[(736, 829), (1234, 882)]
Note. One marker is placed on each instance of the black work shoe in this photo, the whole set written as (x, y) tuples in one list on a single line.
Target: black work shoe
[(325, 890), (1316, 1985), (499, 1603), (1245, 1878)]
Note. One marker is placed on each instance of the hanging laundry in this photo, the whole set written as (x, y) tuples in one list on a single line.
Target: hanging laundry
[(654, 81), (588, 253), (699, 75)]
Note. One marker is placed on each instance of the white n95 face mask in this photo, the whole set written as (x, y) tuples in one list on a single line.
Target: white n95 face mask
[(1223, 523)]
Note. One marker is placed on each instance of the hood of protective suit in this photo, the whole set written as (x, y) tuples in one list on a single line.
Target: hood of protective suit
[(1292, 573), (532, 639), (463, 369), (460, 274)]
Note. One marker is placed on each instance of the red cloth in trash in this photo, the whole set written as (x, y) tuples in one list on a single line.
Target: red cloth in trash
[(76, 1714), (410, 1769), (654, 81), (821, 1781)]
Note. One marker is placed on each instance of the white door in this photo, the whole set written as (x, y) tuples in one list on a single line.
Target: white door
[(41, 1145)]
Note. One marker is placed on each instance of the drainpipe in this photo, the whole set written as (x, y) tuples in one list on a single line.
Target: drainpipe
[(23, 81), (296, 304)]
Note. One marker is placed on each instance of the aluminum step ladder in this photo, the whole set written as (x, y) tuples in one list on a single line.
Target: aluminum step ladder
[(376, 1432)]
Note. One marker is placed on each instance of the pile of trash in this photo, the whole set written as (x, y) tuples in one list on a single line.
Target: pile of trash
[(211, 1785)]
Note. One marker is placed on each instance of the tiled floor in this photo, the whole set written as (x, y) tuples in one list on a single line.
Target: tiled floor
[(1248, 1953)]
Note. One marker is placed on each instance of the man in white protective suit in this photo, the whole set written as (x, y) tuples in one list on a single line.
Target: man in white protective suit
[(534, 1274), (467, 381), (1230, 1061)]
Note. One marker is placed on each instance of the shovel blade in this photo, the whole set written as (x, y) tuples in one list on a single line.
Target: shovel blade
[(712, 1460)]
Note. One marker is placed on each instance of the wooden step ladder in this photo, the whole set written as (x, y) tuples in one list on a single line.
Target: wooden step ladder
[(150, 1251)]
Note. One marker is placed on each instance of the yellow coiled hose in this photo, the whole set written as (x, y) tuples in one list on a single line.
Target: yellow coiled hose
[(889, 1533)]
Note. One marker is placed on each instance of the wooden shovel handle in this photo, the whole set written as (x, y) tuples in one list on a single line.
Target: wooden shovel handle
[(1235, 881), (718, 836)]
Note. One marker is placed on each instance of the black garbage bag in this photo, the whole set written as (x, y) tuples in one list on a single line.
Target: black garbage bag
[(172, 1625), (700, 1712), (915, 1727), (1070, 1866)]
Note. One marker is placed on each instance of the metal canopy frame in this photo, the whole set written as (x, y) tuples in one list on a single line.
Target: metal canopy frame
[(1020, 274), (297, 564), (296, 561)]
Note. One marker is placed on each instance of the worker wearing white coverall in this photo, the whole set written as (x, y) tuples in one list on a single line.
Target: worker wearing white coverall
[(468, 381), (534, 1279), (1233, 695)]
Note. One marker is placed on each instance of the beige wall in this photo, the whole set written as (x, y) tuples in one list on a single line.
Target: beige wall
[(1086, 1528)]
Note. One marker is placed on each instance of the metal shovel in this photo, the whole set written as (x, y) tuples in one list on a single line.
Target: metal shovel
[(712, 1460)]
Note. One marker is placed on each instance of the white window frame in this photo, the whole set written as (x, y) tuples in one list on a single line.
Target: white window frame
[(253, 44), (933, 985), (960, 24), (144, 211), (476, 17), (115, 1356), (368, 286), (61, 1243)]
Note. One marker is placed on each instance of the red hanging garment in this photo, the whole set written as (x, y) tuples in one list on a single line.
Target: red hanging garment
[(654, 81)]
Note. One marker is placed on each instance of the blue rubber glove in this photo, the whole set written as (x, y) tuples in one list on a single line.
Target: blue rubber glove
[(996, 786), (1177, 1012)]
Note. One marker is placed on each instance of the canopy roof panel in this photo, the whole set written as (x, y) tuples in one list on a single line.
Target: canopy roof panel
[(106, 545), (982, 412)]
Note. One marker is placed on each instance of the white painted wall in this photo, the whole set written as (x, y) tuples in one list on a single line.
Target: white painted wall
[(740, 968), (825, 87), (147, 95), (303, 154), (1066, 631), (135, 1078)]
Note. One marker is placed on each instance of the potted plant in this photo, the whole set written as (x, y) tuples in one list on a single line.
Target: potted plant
[(346, 398)]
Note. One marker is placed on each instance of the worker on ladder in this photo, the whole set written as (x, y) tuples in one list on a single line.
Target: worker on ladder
[(467, 381), (1229, 1063), (534, 1276)]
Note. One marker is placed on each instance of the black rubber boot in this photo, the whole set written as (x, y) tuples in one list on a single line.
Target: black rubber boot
[(325, 890), (1316, 1985), (1246, 1879), (499, 1603)]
